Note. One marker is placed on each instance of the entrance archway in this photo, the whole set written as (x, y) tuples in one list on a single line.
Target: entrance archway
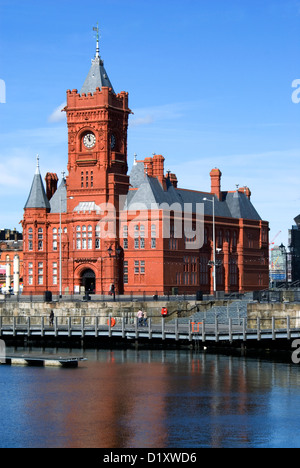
[(88, 281)]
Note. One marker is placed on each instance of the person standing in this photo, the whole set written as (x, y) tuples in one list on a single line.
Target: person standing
[(140, 318), (51, 318), (145, 319)]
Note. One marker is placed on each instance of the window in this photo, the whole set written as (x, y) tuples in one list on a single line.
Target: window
[(172, 241), (97, 236), (83, 238), (30, 273), (78, 238), (40, 239), (136, 237), (220, 239), (234, 239), (227, 237), (90, 237), (125, 273), (40, 273), (30, 239), (125, 237), (153, 236), (54, 242), (204, 271), (233, 273), (54, 273), (139, 267)]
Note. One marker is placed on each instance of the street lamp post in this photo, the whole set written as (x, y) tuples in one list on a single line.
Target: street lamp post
[(116, 256), (284, 253), (60, 238), (214, 244)]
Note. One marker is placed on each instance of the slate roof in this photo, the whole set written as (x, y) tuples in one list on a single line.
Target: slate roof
[(37, 196), (148, 191), (58, 202), (97, 78)]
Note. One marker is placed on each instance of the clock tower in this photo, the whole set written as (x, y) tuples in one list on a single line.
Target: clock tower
[(97, 121)]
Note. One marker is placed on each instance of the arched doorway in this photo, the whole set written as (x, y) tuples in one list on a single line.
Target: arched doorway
[(88, 281)]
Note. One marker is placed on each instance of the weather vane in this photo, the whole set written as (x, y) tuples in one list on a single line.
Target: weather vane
[(96, 29)]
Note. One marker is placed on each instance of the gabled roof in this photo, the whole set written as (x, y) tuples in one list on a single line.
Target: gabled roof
[(37, 196)]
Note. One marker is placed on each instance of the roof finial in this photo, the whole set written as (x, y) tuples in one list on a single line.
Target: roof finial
[(135, 159), (97, 46), (37, 164)]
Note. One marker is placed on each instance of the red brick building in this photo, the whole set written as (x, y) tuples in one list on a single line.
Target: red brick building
[(138, 232)]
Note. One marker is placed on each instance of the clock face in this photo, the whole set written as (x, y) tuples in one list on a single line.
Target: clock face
[(89, 140), (112, 141)]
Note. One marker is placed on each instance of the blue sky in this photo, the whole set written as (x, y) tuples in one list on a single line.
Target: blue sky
[(209, 82)]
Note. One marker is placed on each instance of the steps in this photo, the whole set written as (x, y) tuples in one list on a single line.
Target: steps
[(236, 310)]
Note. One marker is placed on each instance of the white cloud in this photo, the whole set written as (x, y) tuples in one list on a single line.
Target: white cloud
[(57, 115), (150, 115)]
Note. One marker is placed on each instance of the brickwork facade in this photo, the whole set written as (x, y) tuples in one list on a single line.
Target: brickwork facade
[(103, 227)]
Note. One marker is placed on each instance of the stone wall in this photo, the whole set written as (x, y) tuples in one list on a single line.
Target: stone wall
[(100, 309), (280, 311)]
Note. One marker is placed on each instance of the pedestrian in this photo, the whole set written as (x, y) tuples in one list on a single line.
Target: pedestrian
[(51, 318), (145, 319), (140, 318)]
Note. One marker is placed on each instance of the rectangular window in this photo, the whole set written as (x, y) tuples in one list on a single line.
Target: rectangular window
[(30, 274), (30, 239), (40, 273), (125, 272), (136, 267), (142, 268)]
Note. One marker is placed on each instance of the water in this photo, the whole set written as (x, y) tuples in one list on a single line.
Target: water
[(152, 399)]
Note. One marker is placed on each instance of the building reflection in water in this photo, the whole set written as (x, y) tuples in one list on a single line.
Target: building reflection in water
[(157, 399)]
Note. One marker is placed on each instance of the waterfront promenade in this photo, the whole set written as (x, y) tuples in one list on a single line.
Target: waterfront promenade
[(227, 332)]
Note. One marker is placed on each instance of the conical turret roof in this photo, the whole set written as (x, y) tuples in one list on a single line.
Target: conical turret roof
[(37, 196)]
